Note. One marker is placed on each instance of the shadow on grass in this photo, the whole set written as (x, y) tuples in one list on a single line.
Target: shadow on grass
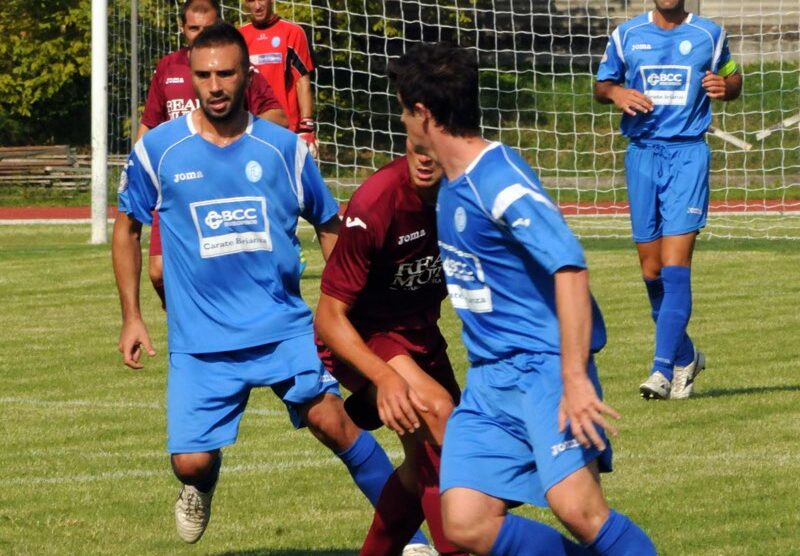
[(720, 392), (291, 552)]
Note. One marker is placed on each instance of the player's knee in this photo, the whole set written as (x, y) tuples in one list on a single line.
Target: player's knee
[(193, 468), (327, 420), (581, 519), (462, 531)]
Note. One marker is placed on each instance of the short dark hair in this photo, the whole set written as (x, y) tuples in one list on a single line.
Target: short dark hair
[(444, 78), (221, 34), (195, 4)]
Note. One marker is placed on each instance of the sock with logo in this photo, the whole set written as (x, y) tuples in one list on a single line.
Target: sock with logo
[(619, 536), (655, 293), (397, 515), (523, 537), (673, 317), (370, 468)]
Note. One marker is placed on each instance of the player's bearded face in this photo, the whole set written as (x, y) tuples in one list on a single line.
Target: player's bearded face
[(219, 81), (670, 5)]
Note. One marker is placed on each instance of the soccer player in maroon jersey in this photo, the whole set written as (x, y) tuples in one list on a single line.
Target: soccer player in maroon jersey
[(279, 49), (382, 289), (171, 95)]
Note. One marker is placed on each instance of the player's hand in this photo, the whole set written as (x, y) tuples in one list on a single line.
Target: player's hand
[(398, 404), (714, 85), (582, 409), (632, 101), (307, 132), (132, 341)]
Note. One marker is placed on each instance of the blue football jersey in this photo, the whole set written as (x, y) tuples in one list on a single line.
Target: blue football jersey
[(228, 220), (668, 67), (502, 239)]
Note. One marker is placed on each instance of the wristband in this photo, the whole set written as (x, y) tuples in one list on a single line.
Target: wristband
[(307, 125)]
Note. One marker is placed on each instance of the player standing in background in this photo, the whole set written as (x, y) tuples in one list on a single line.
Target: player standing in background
[(171, 95), (229, 189), (662, 69), (530, 424), (279, 49), (382, 291)]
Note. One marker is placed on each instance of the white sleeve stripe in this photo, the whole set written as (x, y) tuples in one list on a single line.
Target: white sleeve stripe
[(299, 161), (513, 193), (144, 158), (718, 51), (618, 44)]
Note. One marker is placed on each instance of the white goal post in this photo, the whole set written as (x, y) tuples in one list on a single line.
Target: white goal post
[(538, 59)]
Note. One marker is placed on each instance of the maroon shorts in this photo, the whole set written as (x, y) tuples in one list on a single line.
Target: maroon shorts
[(155, 236), (426, 347)]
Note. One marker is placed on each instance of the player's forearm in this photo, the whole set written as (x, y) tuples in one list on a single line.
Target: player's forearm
[(336, 331), (328, 233), (305, 100), (603, 91), (126, 256), (733, 86), (574, 308)]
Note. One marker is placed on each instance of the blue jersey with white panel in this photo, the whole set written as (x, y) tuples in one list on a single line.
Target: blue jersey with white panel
[(228, 220), (502, 239), (668, 66)]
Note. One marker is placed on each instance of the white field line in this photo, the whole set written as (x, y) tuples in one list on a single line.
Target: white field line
[(114, 404)]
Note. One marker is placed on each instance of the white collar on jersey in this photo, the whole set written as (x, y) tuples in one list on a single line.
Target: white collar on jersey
[(193, 130), (489, 147)]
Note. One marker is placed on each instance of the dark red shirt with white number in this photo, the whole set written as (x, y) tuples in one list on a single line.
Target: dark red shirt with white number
[(386, 262), (171, 94)]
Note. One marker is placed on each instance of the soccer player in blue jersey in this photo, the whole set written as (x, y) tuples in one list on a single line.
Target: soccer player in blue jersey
[(662, 69), (229, 189), (531, 425)]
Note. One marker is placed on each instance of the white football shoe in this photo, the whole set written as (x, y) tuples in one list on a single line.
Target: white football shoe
[(419, 549), (683, 377), (656, 387), (192, 512)]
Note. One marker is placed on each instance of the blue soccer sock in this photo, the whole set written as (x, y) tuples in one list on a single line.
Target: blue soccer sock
[(370, 468), (619, 536), (522, 537), (673, 317), (655, 293)]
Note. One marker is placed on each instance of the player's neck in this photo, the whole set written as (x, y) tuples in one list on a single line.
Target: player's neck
[(220, 133), (455, 154), (669, 19)]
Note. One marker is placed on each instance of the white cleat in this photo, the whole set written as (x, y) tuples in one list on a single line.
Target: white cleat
[(656, 387), (418, 549), (192, 512), (683, 377)]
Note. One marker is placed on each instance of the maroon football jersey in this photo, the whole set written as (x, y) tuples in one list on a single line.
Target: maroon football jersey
[(171, 94), (386, 262)]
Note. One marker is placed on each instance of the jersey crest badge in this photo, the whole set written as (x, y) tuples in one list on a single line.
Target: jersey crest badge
[(253, 171), (460, 219), (685, 47)]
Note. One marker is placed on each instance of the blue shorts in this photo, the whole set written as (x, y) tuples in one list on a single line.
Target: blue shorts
[(503, 437), (667, 188), (207, 393)]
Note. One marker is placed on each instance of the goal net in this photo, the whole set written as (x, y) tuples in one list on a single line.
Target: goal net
[(538, 59)]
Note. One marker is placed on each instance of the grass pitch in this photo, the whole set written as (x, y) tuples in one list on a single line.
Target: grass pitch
[(84, 468)]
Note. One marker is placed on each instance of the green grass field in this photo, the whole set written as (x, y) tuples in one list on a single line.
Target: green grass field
[(84, 469)]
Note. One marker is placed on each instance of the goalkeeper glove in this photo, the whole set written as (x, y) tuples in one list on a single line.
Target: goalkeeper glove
[(306, 131)]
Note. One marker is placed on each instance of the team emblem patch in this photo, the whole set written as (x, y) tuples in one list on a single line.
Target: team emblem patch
[(253, 171), (685, 47), (460, 219), (276, 42)]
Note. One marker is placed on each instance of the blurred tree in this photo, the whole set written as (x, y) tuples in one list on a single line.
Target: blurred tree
[(45, 65)]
